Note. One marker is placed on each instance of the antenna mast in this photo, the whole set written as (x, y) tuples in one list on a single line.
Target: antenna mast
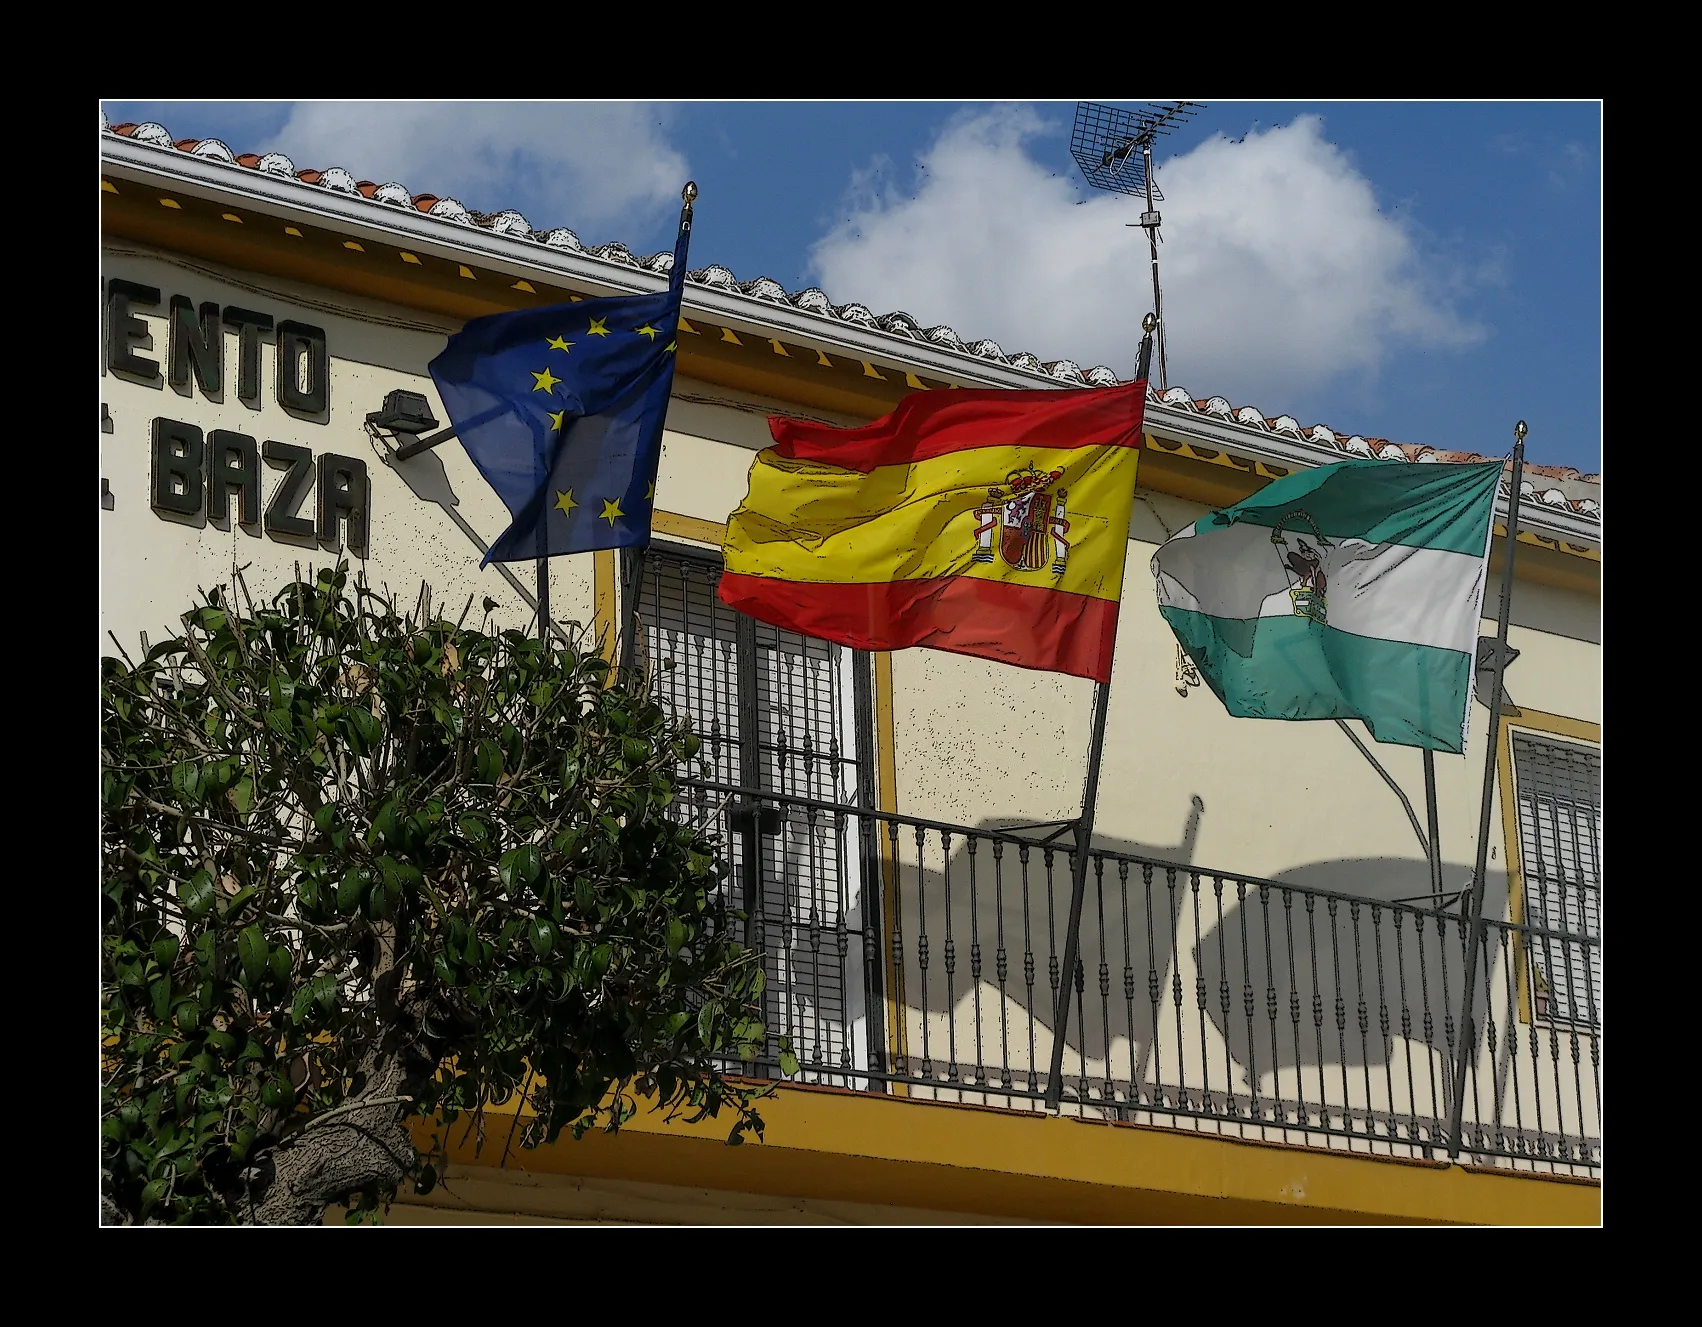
[(1113, 147)]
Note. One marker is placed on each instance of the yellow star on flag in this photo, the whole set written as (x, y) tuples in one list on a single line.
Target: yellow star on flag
[(598, 327), (546, 381), (556, 416), (670, 345), (564, 502), (646, 330), (650, 493), (556, 343), (611, 510)]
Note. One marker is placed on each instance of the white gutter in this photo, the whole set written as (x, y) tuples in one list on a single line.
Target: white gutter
[(361, 218)]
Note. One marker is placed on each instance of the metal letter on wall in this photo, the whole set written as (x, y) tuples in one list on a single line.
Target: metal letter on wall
[(251, 327), (196, 344), (178, 461), (343, 493), (124, 328), (288, 496), (297, 341), (233, 463)]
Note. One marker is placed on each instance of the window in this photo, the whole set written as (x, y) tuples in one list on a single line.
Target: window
[(1559, 796), (788, 715)]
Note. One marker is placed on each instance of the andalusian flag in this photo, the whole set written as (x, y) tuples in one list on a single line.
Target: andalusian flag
[(991, 523), (1352, 591)]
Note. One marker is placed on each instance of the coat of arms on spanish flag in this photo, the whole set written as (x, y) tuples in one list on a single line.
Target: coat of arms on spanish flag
[(991, 523)]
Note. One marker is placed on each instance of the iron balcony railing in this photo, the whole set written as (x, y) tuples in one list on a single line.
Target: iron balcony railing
[(924, 959)]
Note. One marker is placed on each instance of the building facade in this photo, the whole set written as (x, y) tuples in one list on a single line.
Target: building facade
[(1268, 1009)]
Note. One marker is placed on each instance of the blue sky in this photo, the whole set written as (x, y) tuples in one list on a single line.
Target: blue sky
[(1426, 272)]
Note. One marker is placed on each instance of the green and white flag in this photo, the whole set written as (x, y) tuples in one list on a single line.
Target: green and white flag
[(1352, 591)]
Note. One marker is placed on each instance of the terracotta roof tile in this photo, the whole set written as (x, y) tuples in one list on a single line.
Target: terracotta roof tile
[(899, 325)]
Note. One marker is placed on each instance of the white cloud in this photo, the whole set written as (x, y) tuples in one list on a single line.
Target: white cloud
[(604, 169), (1279, 271)]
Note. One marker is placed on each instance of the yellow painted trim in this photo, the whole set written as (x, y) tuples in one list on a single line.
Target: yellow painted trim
[(675, 526), (230, 216), (872, 1148), (778, 348), (356, 245), (687, 327), (107, 186), (886, 799), (524, 285), (1537, 721), (413, 258), (728, 336), (171, 203), (869, 371), (603, 601), (1536, 540), (463, 270), (291, 230)]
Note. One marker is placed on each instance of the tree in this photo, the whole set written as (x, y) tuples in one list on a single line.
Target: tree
[(361, 866)]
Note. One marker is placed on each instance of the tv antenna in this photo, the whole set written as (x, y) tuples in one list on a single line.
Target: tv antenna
[(1113, 147)]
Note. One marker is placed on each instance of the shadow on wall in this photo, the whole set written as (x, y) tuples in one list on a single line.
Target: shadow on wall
[(1284, 977)]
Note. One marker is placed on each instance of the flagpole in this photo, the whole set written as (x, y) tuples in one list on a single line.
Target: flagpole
[(1084, 826), (629, 635), (1434, 842), (1475, 915)]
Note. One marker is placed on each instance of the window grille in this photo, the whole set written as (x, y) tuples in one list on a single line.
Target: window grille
[(777, 712), (1559, 795)]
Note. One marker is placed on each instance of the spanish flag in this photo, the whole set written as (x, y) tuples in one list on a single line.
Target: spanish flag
[(991, 523)]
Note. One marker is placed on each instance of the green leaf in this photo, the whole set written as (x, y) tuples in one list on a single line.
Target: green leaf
[(322, 990), (165, 950), (186, 781), (788, 1063), (542, 933), (196, 894), (676, 937), (367, 728), (352, 889), (160, 994), (519, 867), (252, 950), (242, 795)]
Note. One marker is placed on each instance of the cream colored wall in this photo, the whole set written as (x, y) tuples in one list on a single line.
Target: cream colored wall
[(712, 434), (150, 567), (985, 744)]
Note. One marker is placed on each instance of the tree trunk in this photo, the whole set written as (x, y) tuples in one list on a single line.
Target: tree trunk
[(360, 1148)]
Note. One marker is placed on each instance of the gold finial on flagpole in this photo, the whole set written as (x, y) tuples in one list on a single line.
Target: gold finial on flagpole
[(689, 193), (1148, 323), (1519, 431)]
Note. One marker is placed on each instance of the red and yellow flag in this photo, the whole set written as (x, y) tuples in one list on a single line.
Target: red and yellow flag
[(991, 523)]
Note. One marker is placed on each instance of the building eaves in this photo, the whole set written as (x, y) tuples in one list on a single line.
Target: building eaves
[(1561, 498)]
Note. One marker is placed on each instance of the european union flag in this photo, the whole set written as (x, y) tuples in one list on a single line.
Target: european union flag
[(561, 410)]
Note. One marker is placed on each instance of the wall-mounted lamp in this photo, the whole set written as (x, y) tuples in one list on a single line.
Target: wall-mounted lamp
[(408, 415)]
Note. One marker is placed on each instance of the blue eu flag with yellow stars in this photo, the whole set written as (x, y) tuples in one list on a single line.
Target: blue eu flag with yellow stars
[(561, 410)]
